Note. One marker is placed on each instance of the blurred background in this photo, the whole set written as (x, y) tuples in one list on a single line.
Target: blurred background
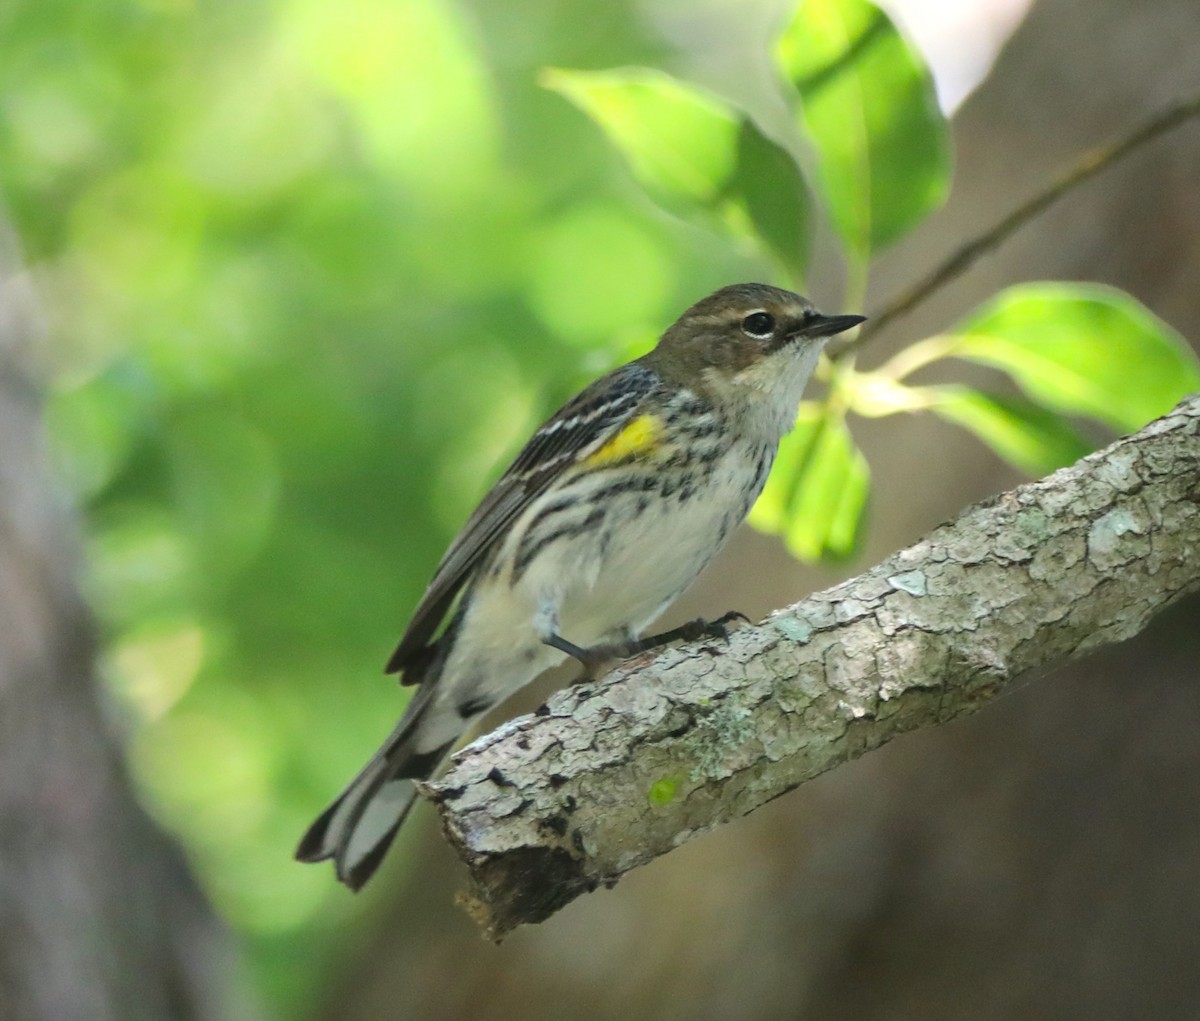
[(281, 286)]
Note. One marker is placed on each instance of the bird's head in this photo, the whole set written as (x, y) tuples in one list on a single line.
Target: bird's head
[(749, 349)]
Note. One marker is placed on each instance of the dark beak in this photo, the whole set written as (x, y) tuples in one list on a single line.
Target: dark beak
[(828, 326)]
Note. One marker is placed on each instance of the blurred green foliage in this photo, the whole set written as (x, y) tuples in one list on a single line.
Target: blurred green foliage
[(314, 270)]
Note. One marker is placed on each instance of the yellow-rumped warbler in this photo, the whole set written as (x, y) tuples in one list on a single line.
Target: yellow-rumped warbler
[(605, 517)]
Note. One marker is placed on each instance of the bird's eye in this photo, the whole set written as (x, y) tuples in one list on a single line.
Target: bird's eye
[(759, 324)]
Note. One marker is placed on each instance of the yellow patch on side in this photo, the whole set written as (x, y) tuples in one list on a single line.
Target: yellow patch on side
[(643, 435)]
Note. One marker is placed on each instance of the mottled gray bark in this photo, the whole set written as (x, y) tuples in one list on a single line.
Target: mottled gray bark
[(609, 776)]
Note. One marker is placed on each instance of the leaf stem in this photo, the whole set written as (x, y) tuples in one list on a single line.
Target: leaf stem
[(916, 356)]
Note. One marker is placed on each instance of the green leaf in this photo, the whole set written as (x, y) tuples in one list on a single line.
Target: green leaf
[(817, 493), (1025, 434), (1083, 349), (768, 186), (681, 144), (697, 156), (868, 105)]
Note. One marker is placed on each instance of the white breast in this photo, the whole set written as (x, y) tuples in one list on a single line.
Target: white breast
[(650, 546)]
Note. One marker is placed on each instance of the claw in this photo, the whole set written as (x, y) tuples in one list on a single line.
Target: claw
[(719, 628)]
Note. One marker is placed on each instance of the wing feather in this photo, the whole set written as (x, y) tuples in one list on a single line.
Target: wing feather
[(583, 424)]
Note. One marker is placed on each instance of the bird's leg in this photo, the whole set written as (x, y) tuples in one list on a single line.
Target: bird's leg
[(546, 625), (593, 657), (585, 656), (597, 655)]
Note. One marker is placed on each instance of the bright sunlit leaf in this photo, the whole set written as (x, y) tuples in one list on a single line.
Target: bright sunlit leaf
[(680, 143), (817, 493), (697, 156), (1083, 349), (867, 103)]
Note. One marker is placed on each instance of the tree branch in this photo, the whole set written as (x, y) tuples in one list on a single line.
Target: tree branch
[(608, 776)]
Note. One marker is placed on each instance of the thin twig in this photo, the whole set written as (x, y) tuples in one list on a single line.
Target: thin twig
[(1162, 122)]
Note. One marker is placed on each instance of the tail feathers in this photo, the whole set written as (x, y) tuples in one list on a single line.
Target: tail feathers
[(358, 828)]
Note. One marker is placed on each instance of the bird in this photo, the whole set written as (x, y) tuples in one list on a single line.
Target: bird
[(606, 515)]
